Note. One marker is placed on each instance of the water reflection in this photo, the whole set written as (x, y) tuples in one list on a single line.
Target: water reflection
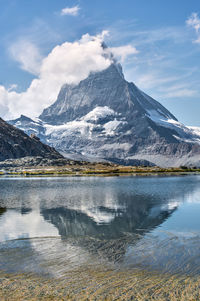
[(77, 221), (15, 224), (114, 223), (72, 207)]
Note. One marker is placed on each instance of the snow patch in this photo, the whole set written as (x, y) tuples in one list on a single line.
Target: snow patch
[(159, 118), (192, 140), (195, 130), (85, 126), (186, 134), (115, 146), (99, 113), (111, 126)]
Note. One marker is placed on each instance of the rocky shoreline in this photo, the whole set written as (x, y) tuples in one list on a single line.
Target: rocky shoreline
[(100, 284), (33, 166)]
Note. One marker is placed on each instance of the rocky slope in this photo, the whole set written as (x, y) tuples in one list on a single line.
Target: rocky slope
[(105, 117), (16, 144)]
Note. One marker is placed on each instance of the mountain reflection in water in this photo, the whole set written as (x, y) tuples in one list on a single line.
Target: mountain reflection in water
[(69, 222)]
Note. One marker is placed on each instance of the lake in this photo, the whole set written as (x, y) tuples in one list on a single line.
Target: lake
[(53, 225)]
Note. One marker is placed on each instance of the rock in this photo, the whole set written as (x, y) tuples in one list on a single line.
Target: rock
[(15, 144)]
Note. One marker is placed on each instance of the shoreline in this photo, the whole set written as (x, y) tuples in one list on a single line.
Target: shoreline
[(100, 284), (96, 170), (63, 175)]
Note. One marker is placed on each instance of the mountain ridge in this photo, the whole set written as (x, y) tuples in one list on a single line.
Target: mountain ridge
[(15, 144), (108, 118)]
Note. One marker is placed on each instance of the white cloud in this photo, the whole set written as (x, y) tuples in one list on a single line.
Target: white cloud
[(72, 11), (27, 54), (194, 22), (123, 51), (66, 63)]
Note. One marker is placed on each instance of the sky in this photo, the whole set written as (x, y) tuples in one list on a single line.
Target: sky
[(44, 44)]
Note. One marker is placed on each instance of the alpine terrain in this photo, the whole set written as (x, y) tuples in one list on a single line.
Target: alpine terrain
[(15, 144), (104, 117)]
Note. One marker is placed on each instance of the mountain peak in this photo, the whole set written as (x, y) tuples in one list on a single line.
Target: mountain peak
[(107, 118), (105, 88), (75, 101)]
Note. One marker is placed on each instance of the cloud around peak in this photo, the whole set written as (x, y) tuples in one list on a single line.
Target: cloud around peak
[(122, 52), (69, 63)]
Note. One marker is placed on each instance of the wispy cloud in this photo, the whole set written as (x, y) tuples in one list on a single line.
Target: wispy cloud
[(162, 86), (71, 11), (152, 80), (122, 52), (27, 54), (173, 34), (130, 31), (179, 91), (194, 22)]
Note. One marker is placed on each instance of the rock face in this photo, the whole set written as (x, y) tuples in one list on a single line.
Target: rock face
[(105, 117), (16, 144)]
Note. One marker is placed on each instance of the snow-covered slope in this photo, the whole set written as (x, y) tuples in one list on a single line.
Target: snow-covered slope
[(195, 130), (185, 133), (107, 118)]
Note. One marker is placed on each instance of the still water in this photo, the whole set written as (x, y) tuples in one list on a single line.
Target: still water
[(52, 225)]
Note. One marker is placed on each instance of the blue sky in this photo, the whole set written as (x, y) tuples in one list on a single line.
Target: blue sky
[(164, 34)]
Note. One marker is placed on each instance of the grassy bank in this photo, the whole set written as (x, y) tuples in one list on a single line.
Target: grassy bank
[(92, 169), (100, 284)]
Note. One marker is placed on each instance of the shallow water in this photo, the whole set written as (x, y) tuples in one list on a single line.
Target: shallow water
[(53, 225)]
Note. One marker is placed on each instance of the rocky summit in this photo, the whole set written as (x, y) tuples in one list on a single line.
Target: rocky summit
[(15, 144), (104, 117)]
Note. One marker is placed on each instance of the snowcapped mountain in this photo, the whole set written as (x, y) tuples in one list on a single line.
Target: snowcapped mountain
[(105, 117)]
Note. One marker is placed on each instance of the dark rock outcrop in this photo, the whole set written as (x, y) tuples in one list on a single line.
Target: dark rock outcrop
[(14, 144)]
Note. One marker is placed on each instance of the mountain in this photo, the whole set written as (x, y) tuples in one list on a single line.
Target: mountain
[(104, 117), (15, 144), (83, 231)]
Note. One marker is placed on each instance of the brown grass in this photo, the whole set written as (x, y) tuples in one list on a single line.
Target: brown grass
[(88, 169)]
